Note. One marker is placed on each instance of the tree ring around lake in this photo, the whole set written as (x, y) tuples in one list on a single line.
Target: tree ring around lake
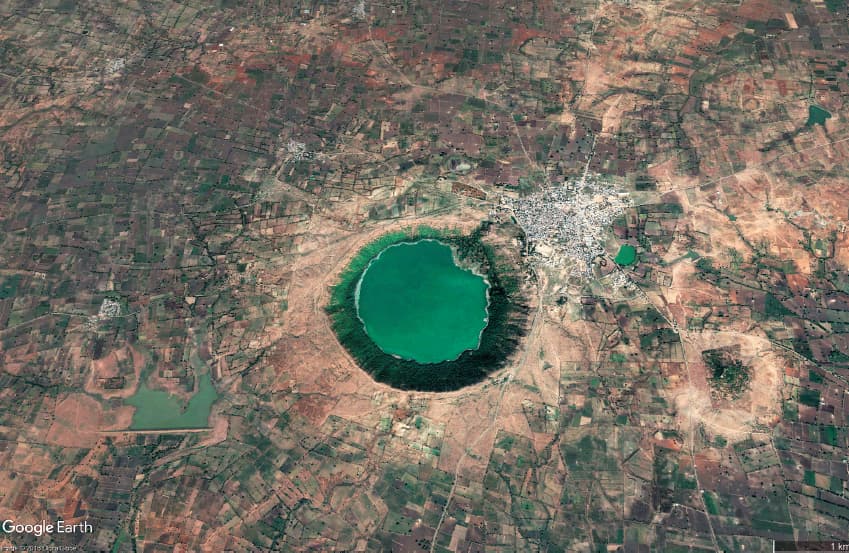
[(492, 250)]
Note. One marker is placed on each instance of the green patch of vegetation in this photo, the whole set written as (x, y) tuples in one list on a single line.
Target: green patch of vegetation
[(762, 28), (705, 265), (803, 347), (192, 144), (493, 56), (828, 435), (525, 186), (837, 356), (710, 503), (43, 308), (476, 103), (835, 6), (661, 336), (814, 376), (397, 523), (627, 255), (728, 374), (122, 537), (772, 526), (9, 286), (209, 164), (66, 6), (651, 317), (816, 114), (500, 338), (645, 182), (185, 89), (810, 478), (672, 208), (774, 309), (617, 357), (811, 398), (790, 411), (588, 454), (506, 443)]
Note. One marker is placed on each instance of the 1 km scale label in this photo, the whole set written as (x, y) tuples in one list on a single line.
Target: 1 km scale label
[(810, 546)]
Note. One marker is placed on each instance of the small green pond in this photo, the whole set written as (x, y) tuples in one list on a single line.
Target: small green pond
[(817, 116), (627, 255), (159, 410), (416, 303)]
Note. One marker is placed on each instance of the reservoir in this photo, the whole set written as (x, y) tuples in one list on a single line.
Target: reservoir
[(627, 255), (157, 409), (417, 304), (817, 116)]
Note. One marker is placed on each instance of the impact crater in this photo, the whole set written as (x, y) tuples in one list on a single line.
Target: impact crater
[(433, 310)]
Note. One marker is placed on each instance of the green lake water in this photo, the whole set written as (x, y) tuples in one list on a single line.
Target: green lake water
[(627, 255), (159, 410), (817, 116), (417, 304)]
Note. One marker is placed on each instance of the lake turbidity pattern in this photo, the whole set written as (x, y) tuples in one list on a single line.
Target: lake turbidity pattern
[(417, 304)]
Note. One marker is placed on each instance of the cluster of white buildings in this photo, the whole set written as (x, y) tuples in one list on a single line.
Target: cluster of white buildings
[(570, 222)]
